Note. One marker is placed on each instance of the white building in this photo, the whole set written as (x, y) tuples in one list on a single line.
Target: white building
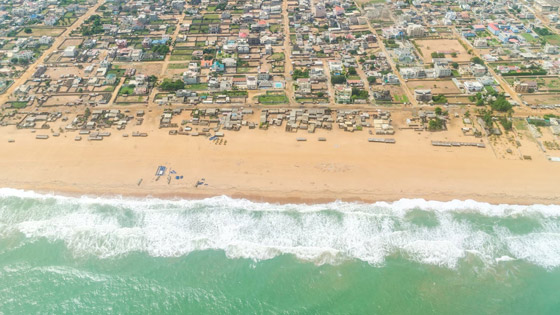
[(70, 51), (480, 43), (415, 30), (442, 71), (473, 86)]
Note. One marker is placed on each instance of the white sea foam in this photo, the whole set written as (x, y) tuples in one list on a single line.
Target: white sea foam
[(322, 233)]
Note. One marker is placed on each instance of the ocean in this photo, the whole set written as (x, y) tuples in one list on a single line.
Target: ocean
[(221, 255)]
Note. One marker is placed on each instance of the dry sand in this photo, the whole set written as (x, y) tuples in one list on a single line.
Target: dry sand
[(271, 165)]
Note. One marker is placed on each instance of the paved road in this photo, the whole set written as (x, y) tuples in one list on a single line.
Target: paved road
[(57, 42)]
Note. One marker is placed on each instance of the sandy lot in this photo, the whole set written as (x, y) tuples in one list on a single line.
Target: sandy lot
[(70, 42), (43, 31), (437, 86), (545, 99), (446, 46)]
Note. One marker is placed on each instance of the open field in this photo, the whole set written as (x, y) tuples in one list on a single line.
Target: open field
[(544, 99), (447, 46), (70, 42), (42, 31), (147, 68), (437, 86)]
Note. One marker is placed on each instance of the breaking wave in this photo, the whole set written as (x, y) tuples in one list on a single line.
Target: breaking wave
[(430, 232)]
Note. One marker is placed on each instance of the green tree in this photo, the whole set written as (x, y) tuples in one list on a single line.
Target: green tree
[(477, 60), (169, 85), (506, 123), (438, 110), (501, 104), (338, 79), (352, 71), (28, 30), (435, 124), (371, 79), (455, 65)]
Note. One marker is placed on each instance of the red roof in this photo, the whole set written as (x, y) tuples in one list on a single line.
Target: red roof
[(494, 27)]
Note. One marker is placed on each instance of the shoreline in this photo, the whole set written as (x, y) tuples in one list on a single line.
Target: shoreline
[(295, 198)]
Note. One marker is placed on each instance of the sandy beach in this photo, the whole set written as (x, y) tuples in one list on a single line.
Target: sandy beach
[(271, 165)]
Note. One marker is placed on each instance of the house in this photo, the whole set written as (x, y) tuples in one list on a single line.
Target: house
[(111, 79), (240, 82), (136, 55), (304, 85), (342, 94), (206, 63), (507, 68), (493, 28), (319, 11), (415, 30), (226, 84), (254, 40), (243, 48), (413, 73), (486, 80), (335, 66), (383, 95), (473, 86), (45, 40), (70, 52), (423, 95), (337, 10), (263, 76), (477, 70), (390, 78), (545, 6), (190, 77), (442, 71), (480, 43), (229, 62), (40, 71), (121, 43), (214, 28), (478, 28), (218, 67), (317, 74), (550, 49), (252, 83), (525, 86), (24, 54), (405, 55)]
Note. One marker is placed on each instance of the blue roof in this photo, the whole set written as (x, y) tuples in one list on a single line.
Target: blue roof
[(159, 41)]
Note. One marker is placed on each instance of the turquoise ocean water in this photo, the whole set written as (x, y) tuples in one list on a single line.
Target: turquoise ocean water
[(227, 256)]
